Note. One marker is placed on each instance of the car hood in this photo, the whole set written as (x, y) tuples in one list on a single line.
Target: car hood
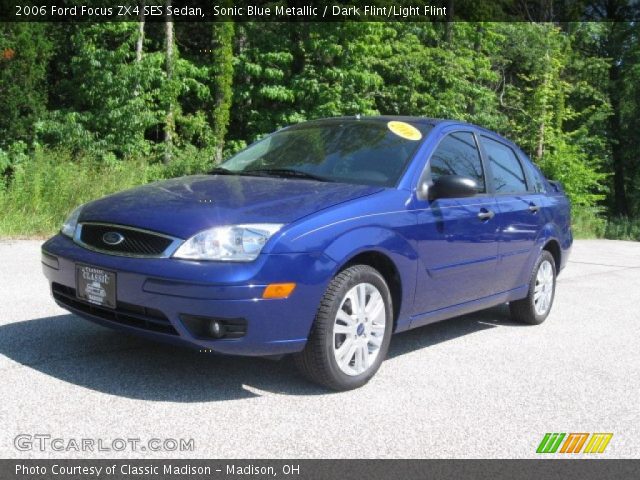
[(184, 206)]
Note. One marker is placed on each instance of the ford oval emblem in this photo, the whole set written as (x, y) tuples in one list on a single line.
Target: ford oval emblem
[(112, 238)]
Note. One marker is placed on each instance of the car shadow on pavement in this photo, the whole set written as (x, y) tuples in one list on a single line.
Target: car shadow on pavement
[(450, 329), (79, 352)]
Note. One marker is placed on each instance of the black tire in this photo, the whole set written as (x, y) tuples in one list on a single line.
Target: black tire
[(524, 311), (317, 361)]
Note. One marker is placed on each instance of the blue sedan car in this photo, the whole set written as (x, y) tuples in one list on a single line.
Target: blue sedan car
[(321, 241)]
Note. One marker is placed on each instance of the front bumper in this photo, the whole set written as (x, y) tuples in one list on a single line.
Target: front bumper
[(157, 290)]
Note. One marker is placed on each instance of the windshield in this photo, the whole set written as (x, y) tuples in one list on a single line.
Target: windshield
[(352, 151)]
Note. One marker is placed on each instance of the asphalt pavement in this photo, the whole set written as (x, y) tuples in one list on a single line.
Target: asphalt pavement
[(476, 386)]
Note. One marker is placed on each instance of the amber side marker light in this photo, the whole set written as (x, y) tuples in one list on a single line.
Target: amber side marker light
[(278, 290)]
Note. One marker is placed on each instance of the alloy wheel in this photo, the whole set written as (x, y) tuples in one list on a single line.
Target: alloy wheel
[(543, 290), (358, 329)]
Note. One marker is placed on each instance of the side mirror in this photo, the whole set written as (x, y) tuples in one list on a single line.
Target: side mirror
[(450, 186)]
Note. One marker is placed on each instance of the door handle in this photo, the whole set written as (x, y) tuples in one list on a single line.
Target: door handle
[(485, 214), (533, 208)]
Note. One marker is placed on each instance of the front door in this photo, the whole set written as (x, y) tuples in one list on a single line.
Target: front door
[(456, 237)]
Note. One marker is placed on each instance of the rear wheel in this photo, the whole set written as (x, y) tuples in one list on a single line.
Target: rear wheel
[(535, 307), (351, 332)]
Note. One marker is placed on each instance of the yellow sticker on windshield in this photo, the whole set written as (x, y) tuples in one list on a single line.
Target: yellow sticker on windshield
[(404, 130)]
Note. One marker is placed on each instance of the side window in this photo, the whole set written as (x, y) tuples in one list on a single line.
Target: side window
[(457, 154), (508, 176)]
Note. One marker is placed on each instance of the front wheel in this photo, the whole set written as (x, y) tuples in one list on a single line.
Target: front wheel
[(351, 332), (535, 307)]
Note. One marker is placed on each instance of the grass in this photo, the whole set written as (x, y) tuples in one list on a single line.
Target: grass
[(38, 197), (622, 228), (590, 223)]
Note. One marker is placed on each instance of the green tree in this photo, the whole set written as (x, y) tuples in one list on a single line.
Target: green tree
[(25, 50), (222, 72), (554, 107), (111, 97)]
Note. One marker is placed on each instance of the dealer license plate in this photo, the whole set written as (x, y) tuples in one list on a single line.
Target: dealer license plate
[(95, 285)]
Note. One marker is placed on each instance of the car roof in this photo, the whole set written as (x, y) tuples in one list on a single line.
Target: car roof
[(377, 118), (398, 118)]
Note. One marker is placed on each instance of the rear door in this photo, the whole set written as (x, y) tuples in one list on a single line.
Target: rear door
[(456, 237), (520, 212)]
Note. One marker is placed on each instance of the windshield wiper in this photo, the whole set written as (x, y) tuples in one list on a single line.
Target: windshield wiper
[(221, 171), (224, 171), (286, 172)]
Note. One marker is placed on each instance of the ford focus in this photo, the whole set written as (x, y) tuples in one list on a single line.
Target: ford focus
[(321, 241)]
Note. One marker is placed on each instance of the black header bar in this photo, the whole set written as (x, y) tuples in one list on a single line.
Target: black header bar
[(320, 11)]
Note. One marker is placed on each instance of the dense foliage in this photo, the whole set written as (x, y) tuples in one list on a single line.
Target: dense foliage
[(86, 109)]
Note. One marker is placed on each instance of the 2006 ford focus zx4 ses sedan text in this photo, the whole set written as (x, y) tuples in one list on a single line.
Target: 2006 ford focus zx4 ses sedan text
[(321, 240)]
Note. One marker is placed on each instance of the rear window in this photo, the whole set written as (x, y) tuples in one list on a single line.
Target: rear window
[(537, 179), (508, 176)]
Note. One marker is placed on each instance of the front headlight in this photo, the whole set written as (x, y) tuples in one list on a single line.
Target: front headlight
[(235, 243), (70, 224)]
